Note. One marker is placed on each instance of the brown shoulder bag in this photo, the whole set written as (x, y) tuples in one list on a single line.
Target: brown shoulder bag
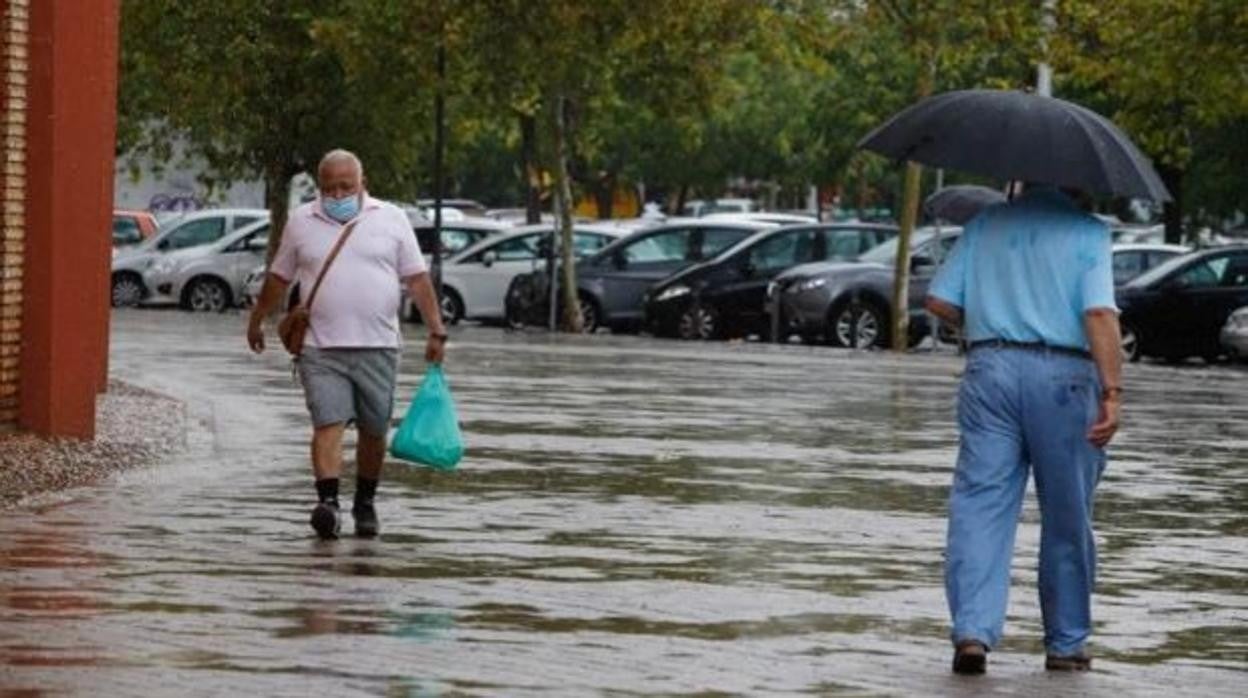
[(294, 326)]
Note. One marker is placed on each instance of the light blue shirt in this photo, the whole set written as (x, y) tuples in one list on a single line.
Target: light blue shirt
[(1028, 270)]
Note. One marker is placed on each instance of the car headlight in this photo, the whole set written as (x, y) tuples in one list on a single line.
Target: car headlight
[(807, 285), (673, 292)]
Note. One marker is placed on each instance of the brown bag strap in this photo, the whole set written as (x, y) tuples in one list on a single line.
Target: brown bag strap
[(333, 254)]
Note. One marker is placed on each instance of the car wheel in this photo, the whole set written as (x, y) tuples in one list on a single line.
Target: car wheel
[(452, 307), (128, 290), (207, 296), (859, 324), (1130, 342), (698, 322), (591, 316)]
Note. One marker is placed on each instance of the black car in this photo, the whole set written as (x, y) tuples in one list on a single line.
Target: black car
[(611, 284), (1177, 309), (726, 296)]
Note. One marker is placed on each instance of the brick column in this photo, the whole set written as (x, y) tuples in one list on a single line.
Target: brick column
[(14, 25), (70, 140)]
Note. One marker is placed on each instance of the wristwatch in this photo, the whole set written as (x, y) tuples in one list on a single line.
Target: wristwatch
[(1111, 390)]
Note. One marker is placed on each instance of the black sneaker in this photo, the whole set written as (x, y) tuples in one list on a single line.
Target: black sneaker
[(1081, 661), (325, 520), (366, 525), (970, 657)]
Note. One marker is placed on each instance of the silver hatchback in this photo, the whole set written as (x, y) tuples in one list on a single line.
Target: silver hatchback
[(212, 277)]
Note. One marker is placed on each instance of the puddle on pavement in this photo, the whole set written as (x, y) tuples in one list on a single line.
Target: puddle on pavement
[(635, 517)]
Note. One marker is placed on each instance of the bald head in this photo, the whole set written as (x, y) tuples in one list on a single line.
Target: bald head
[(340, 174)]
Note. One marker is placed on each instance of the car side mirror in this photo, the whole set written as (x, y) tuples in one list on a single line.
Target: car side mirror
[(919, 264), (162, 245), (489, 258), (619, 261), (747, 268)]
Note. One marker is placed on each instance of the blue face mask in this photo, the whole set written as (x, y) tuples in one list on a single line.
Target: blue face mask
[(341, 210)]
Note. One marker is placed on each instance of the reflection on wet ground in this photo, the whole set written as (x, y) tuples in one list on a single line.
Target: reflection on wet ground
[(635, 517)]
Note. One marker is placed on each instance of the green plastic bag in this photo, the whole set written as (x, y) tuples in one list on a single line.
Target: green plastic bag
[(430, 432)]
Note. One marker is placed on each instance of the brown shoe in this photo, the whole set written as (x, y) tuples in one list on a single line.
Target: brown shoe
[(1074, 662), (970, 657)]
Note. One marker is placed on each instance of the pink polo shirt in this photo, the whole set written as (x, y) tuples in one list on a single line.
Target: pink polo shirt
[(358, 303)]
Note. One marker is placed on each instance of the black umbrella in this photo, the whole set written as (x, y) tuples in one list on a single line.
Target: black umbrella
[(1013, 135), (960, 203)]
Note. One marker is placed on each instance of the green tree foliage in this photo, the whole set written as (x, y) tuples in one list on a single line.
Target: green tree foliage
[(1174, 75), (264, 89), (566, 63)]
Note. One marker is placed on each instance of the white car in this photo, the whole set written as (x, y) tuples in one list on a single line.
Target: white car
[(209, 278), (1131, 260), (762, 217), (1234, 334), (192, 230), (475, 282)]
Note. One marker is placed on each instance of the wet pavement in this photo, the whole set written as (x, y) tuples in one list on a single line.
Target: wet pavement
[(634, 517)]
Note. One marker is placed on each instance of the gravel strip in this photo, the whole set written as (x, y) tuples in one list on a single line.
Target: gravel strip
[(133, 427)]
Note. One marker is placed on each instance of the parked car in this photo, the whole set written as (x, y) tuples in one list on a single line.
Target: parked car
[(209, 278), (698, 207), (726, 296), (775, 217), (850, 303), (1179, 308), (253, 284), (1125, 234), (192, 230), (1131, 260), (475, 282), (1234, 335), (457, 235), (466, 207), (132, 227), (612, 283)]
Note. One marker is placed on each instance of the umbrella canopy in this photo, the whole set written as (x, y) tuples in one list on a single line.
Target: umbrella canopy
[(959, 204), (1012, 135)]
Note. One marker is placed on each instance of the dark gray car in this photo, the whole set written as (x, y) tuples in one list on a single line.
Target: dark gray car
[(850, 303), (614, 281)]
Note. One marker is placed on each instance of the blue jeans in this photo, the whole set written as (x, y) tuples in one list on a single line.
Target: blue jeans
[(1021, 409)]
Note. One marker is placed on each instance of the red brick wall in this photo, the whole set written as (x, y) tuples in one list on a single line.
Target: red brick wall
[(14, 26)]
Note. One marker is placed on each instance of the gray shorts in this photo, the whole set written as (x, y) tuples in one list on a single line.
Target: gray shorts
[(350, 385)]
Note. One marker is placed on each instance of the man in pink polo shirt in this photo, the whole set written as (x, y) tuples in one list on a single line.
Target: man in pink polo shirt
[(351, 351)]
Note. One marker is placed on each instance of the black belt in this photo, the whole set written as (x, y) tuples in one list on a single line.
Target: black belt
[(1031, 346)]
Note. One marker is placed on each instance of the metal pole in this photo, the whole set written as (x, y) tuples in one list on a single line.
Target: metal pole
[(1044, 72), (439, 144)]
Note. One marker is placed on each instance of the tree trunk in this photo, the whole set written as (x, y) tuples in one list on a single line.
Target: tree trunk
[(1172, 212), (277, 200), (528, 163), (860, 186), (901, 267), (567, 257), (605, 195), (675, 206)]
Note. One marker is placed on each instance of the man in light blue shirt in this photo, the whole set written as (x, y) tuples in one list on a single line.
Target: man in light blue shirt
[(1031, 282)]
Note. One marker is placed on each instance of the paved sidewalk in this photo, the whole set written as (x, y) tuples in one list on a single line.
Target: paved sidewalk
[(635, 517)]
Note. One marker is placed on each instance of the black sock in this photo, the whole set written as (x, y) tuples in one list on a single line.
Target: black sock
[(365, 490), (327, 490)]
